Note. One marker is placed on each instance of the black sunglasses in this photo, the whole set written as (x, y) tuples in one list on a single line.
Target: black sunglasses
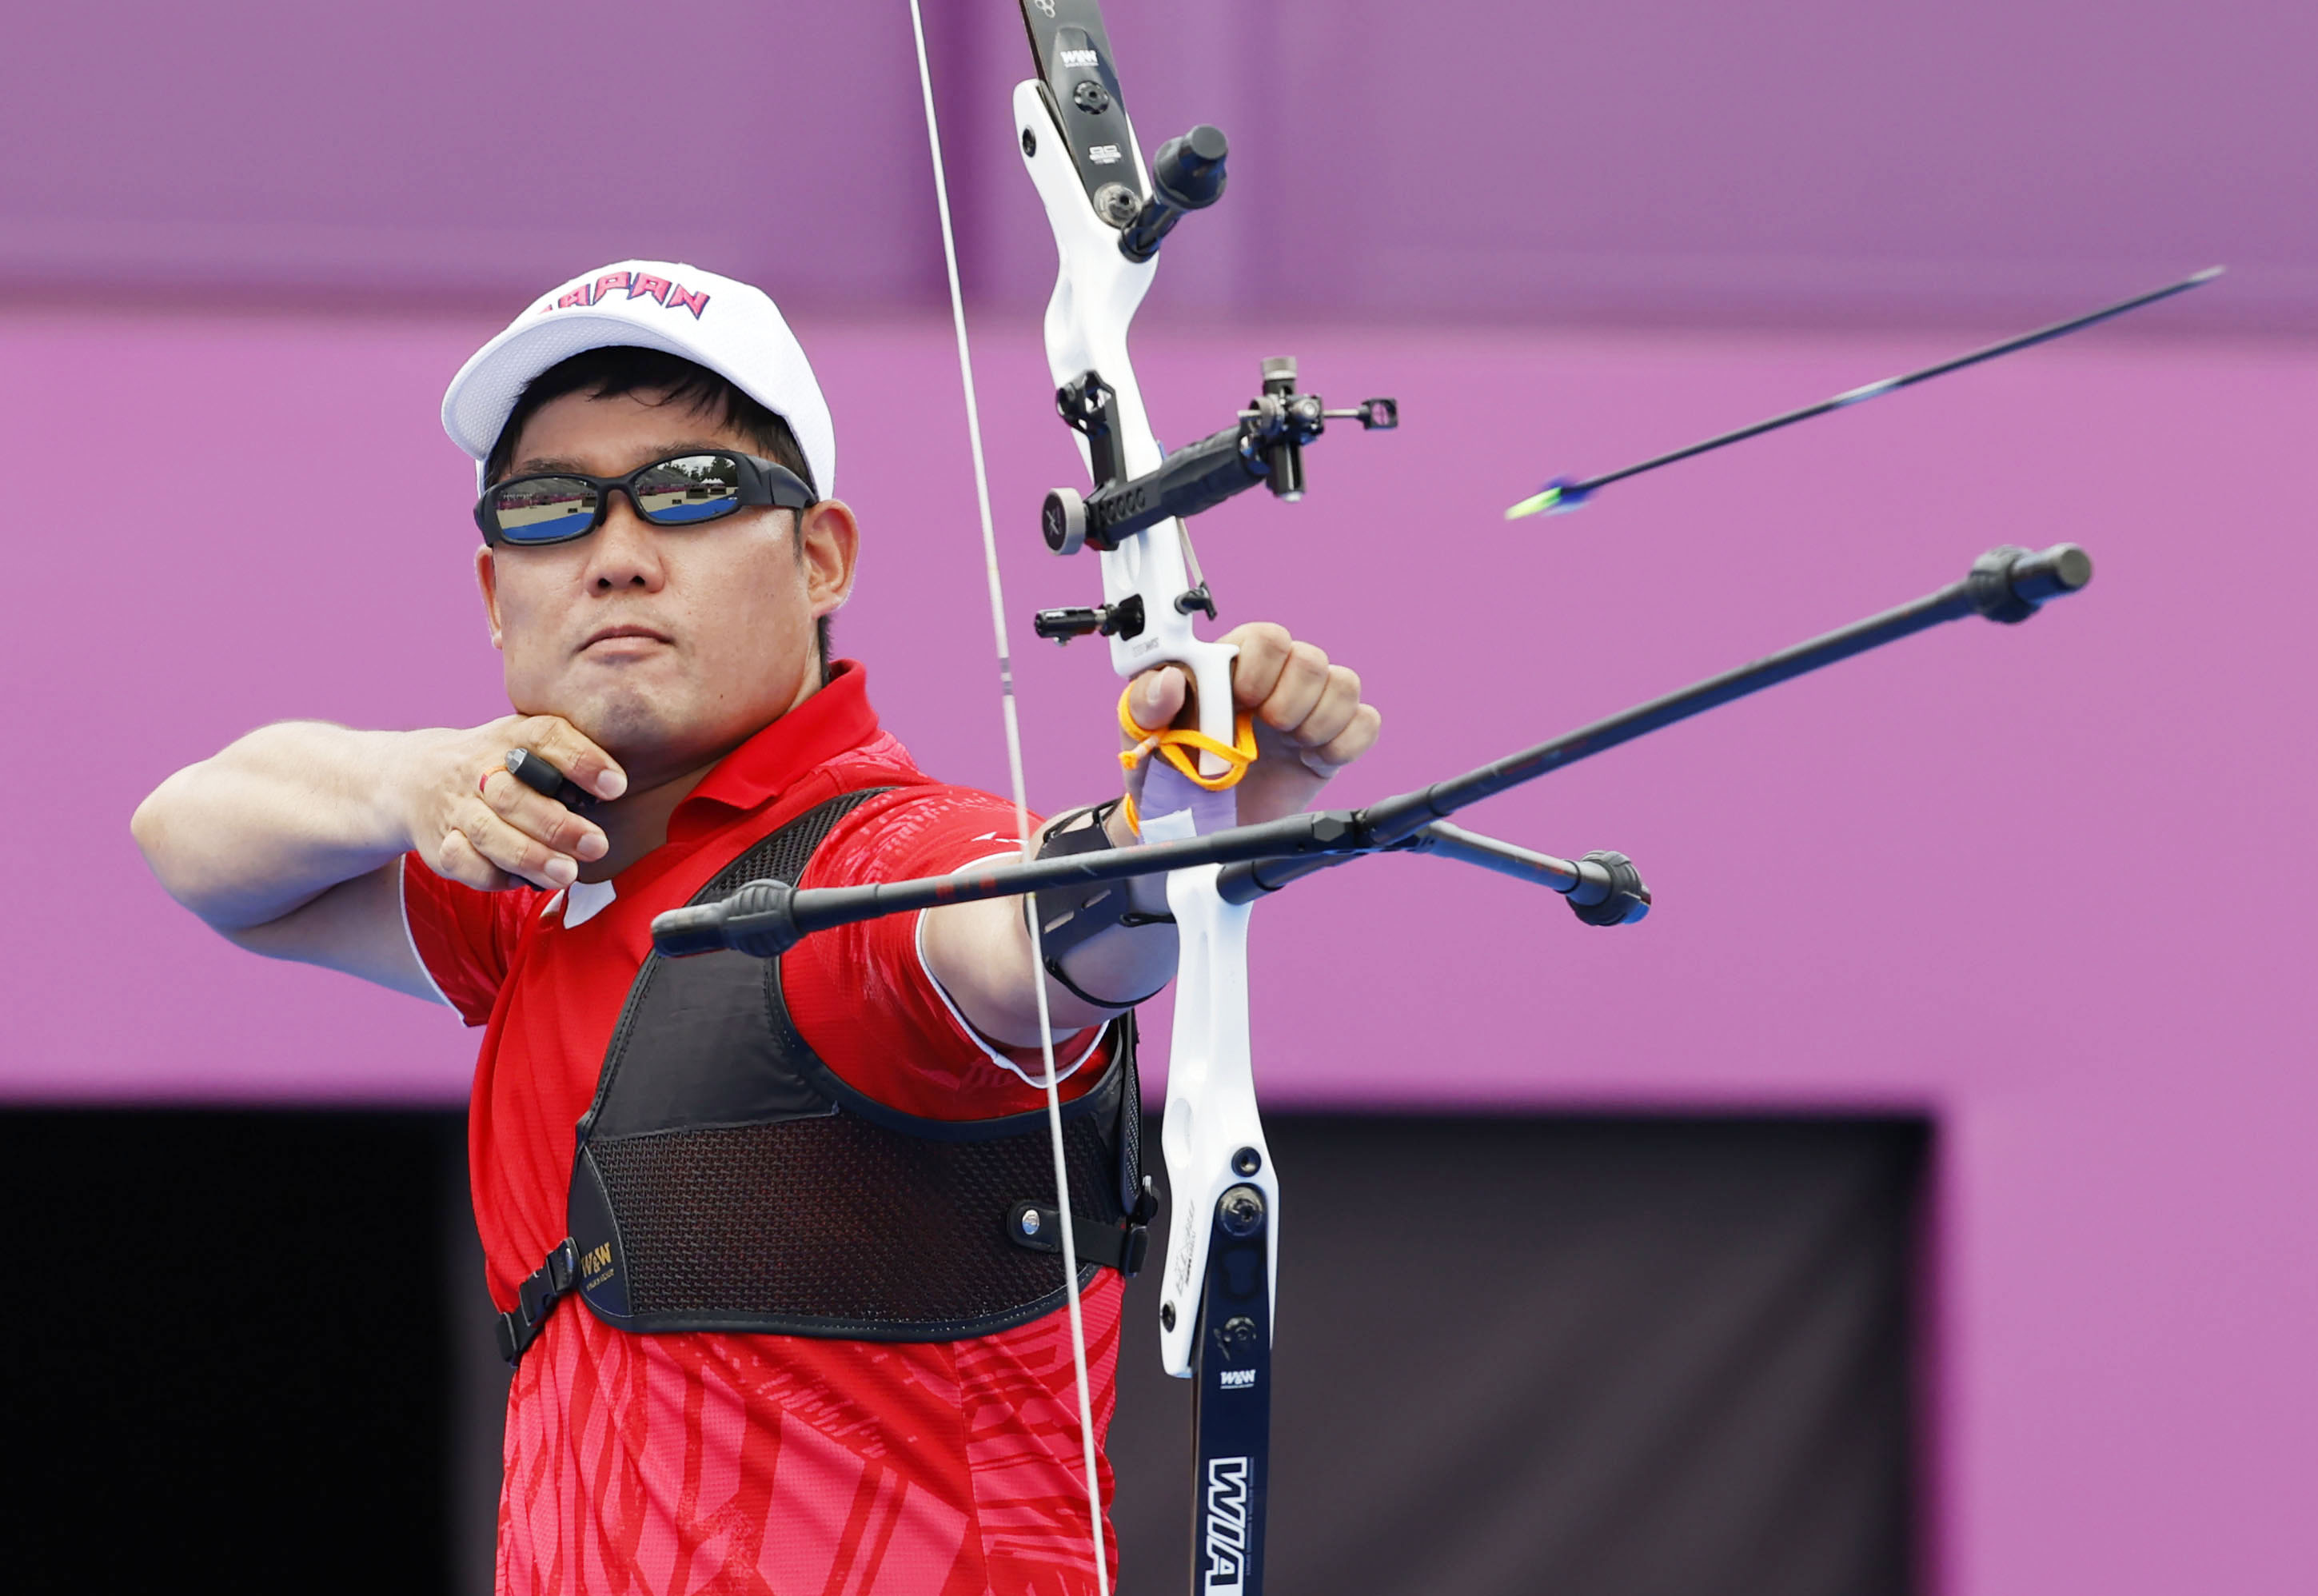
[(682, 491)]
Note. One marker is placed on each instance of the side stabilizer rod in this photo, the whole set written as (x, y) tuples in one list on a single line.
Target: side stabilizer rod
[(1604, 888)]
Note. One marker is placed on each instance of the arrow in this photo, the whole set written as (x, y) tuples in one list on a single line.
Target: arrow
[(1564, 494)]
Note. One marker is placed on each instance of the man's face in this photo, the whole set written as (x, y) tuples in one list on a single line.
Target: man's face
[(668, 646)]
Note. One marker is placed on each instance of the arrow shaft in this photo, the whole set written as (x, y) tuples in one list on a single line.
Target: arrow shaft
[(1576, 492)]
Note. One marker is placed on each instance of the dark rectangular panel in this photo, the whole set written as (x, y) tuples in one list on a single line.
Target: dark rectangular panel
[(1584, 1356), (227, 1348), (1590, 1357)]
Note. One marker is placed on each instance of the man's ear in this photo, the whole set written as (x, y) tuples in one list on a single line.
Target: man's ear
[(828, 544), (487, 577)]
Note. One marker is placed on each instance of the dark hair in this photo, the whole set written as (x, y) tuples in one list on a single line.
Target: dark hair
[(623, 368)]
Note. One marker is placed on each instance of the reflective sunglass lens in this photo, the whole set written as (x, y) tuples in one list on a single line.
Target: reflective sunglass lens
[(691, 487), (543, 509)]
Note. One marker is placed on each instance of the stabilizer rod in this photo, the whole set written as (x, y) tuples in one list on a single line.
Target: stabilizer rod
[(766, 918), (2005, 584)]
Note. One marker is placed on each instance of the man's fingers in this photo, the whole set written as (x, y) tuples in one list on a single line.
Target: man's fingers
[(556, 740), (1264, 653), (1309, 709), (1303, 683), (1333, 711), (515, 852), (542, 817), (455, 858), (1357, 737)]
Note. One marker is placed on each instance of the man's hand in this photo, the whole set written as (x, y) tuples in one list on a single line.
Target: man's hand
[(1310, 719), (475, 823), (290, 841), (1309, 725)]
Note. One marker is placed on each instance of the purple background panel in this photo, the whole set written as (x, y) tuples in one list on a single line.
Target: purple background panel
[(1694, 161), (434, 151), (2046, 883), (1981, 852)]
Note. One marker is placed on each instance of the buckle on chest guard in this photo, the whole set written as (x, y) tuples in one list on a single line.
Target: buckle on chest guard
[(535, 1298), (1122, 1245)]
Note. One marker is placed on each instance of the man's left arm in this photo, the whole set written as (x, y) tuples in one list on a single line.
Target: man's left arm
[(1310, 723)]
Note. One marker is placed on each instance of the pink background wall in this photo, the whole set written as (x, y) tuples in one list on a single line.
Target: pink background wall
[(2048, 886), (1654, 158)]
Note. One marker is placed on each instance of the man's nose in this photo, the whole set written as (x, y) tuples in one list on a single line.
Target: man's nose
[(625, 551)]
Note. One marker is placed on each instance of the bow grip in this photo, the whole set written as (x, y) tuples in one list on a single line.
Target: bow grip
[(1209, 667)]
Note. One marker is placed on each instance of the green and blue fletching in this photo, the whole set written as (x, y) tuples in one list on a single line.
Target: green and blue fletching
[(1559, 497)]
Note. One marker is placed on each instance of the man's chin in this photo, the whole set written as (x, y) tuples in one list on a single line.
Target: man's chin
[(657, 725), (643, 731), (630, 728)]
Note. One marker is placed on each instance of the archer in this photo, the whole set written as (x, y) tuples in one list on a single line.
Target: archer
[(868, 1368)]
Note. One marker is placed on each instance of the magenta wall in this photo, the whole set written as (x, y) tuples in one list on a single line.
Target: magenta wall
[(1644, 160), (2048, 884)]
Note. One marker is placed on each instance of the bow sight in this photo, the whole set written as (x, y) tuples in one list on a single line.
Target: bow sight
[(1265, 444)]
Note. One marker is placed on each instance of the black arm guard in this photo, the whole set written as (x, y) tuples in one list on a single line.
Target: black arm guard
[(1070, 916)]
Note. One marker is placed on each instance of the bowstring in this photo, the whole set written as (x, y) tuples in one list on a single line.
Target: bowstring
[(1021, 814)]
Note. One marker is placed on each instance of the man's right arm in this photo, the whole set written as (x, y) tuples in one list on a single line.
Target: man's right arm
[(288, 842)]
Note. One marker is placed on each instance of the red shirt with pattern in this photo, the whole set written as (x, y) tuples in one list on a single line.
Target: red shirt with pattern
[(784, 1464)]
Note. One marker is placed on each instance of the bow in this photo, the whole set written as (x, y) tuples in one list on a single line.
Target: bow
[(1109, 215)]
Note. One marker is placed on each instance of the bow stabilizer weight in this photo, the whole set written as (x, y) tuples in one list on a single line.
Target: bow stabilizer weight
[(1187, 174), (759, 920)]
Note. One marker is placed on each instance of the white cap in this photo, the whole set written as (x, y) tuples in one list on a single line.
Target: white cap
[(728, 327)]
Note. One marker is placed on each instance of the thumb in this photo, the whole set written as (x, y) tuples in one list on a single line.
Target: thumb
[(1156, 697)]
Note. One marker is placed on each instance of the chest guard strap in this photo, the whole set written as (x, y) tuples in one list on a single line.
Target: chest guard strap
[(726, 1180)]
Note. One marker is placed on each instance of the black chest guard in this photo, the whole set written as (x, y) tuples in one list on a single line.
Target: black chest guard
[(726, 1180)]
